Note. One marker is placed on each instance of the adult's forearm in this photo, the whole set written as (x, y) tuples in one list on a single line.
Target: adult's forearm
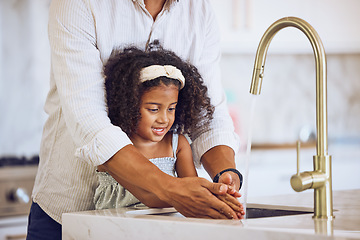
[(220, 158), (136, 173), (217, 159), (146, 197)]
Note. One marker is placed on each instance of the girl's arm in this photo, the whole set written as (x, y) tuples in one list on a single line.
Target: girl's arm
[(184, 164)]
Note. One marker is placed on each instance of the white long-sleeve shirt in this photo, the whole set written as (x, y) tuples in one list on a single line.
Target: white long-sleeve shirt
[(78, 134)]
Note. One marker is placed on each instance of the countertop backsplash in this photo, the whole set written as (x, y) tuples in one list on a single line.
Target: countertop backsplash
[(286, 105)]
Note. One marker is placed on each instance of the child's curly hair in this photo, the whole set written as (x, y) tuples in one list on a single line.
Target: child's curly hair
[(123, 90)]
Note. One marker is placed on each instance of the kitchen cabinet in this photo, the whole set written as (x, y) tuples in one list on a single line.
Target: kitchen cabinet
[(14, 228), (243, 22)]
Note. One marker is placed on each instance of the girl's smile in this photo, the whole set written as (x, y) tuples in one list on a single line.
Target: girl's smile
[(157, 111), (159, 131)]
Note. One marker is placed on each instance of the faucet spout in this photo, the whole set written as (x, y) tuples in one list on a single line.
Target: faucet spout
[(321, 176)]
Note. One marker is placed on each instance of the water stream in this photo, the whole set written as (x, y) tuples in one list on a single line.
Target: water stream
[(244, 191)]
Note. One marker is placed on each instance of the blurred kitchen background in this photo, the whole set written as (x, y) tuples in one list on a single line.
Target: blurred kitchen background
[(284, 112)]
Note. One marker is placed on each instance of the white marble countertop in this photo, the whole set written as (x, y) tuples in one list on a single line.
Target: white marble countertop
[(135, 224)]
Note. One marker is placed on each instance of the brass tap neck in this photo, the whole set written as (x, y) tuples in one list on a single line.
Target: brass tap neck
[(320, 178), (320, 60)]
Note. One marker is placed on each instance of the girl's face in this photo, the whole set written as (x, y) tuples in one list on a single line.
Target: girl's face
[(157, 111)]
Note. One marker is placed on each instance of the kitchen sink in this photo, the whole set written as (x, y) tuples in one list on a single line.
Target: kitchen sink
[(264, 212), (252, 211)]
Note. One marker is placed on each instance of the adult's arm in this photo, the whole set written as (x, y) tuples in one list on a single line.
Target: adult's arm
[(216, 145), (76, 76)]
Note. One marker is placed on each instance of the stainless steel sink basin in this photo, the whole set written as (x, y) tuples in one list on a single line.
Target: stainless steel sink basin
[(252, 211), (263, 212)]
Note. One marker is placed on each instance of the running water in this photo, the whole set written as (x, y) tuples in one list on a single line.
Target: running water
[(248, 152)]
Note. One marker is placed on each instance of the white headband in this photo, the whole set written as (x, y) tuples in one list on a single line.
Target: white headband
[(155, 71)]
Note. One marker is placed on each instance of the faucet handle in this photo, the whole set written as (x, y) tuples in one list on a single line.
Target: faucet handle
[(305, 180), (300, 181)]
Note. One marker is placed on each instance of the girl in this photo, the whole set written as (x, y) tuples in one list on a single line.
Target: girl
[(155, 98)]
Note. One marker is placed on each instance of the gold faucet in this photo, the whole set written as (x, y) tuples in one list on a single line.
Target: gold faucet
[(320, 178)]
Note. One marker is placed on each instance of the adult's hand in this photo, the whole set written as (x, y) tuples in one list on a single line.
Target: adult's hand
[(196, 197), (233, 203)]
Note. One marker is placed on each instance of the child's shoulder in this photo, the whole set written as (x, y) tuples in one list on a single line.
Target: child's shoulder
[(182, 142), (181, 137)]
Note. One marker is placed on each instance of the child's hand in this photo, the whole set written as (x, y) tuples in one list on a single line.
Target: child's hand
[(233, 203), (232, 180)]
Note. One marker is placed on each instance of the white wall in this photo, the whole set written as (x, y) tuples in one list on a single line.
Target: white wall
[(24, 75), (244, 21)]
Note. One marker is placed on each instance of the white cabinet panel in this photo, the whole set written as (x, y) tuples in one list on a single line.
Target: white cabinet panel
[(14, 228), (242, 23)]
